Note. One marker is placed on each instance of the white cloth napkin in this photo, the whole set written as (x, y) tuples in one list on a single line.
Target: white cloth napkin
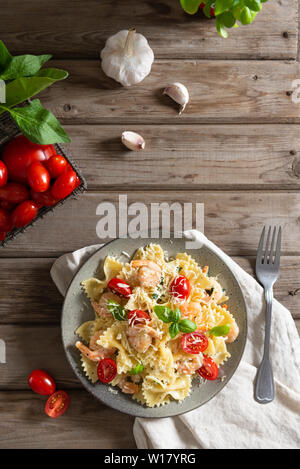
[(232, 419)]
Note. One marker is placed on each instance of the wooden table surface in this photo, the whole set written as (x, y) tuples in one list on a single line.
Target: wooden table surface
[(236, 148)]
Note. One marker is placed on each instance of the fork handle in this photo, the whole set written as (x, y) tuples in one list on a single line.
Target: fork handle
[(264, 386)]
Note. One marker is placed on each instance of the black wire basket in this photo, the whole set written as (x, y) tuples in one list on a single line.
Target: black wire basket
[(9, 130)]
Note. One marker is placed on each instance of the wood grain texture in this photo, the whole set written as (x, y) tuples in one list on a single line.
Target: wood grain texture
[(80, 29), (86, 424), (189, 156), (233, 220), (37, 301), (220, 92)]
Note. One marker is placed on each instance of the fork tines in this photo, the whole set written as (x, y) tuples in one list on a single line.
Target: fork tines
[(269, 256)]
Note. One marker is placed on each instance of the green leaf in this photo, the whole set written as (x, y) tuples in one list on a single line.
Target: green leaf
[(220, 330), (137, 370), (21, 89), (117, 310), (173, 330), (247, 16), (23, 66), (187, 326), (220, 29), (254, 5), (176, 315), (190, 6), (163, 313), (38, 124), (227, 19), (222, 5), (206, 9), (5, 56)]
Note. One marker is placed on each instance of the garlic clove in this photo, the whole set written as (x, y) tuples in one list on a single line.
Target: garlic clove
[(133, 141), (179, 93)]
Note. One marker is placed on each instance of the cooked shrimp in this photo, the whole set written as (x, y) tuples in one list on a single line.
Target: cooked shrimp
[(191, 310), (233, 333), (100, 307), (140, 337), (128, 387), (190, 365), (216, 295), (95, 352), (149, 273)]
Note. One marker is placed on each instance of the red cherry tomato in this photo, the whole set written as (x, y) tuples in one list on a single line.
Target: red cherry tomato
[(120, 287), (56, 165), (5, 220), (43, 199), (41, 382), (14, 192), (209, 369), (137, 316), (3, 174), (24, 213), (2, 235), (64, 185), (57, 404), (38, 177), (106, 370), (194, 342), (7, 205), (180, 287), (19, 153), (212, 10)]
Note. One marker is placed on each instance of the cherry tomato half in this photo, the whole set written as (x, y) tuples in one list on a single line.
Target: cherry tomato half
[(19, 153), (38, 177), (5, 220), (24, 213), (3, 174), (14, 192), (41, 382), (57, 404), (120, 287), (194, 342), (137, 316), (56, 165), (106, 370), (43, 199), (64, 185), (180, 287), (209, 369)]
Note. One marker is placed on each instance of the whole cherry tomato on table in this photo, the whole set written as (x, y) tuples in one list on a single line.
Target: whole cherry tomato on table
[(7, 205), (64, 185), (19, 153), (2, 235), (120, 287), (3, 174), (194, 342), (14, 193), (5, 220), (106, 370), (24, 213), (57, 404), (43, 199), (209, 369), (180, 287), (56, 165), (38, 177), (41, 382)]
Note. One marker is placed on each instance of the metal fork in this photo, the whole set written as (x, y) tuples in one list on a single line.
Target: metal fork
[(267, 271)]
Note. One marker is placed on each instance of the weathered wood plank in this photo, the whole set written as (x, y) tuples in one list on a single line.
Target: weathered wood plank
[(86, 424), (233, 220), (36, 299), (220, 92), (190, 156), (79, 29)]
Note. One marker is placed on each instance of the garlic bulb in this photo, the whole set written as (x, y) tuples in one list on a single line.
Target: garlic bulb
[(179, 93), (127, 57), (133, 141)]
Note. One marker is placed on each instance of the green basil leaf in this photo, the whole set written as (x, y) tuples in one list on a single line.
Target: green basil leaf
[(254, 5), (21, 89), (222, 5), (190, 6), (5, 56), (227, 19), (173, 330), (206, 9), (247, 16), (38, 124), (187, 326), (220, 28), (163, 313), (220, 330), (117, 310), (176, 315), (137, 370), (23, 66)]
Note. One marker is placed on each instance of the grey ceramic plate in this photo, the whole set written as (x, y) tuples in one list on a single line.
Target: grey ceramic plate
[(76, 310)]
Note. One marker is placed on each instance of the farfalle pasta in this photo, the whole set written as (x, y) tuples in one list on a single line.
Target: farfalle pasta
[(158, 323)]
